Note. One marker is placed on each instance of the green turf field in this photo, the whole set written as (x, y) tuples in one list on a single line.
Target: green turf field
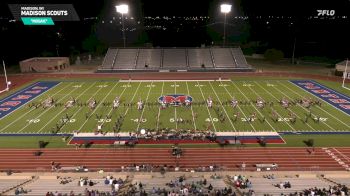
[(219, 118)]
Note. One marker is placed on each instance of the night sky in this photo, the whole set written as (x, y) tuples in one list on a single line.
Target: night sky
[(320, 37)]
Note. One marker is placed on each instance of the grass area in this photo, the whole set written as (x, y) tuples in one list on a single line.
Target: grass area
[(219, 118), (287, 66), (31, 142)]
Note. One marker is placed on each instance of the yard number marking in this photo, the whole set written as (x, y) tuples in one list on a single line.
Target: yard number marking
[(104, 120), (214, 120), (33, 120), (138, 120)]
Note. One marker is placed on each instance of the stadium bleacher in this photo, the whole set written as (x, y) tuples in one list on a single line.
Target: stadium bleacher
[(198, 57), (126, 59), (149, 59), (109, 58), (174, 59)]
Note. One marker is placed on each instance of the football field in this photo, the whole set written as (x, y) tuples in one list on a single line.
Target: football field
[(221, 117)]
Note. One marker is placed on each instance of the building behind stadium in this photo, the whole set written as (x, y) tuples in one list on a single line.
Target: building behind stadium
[(44, 64)]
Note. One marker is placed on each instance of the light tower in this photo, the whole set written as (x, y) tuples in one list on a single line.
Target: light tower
[(225, 8), (123, 9)]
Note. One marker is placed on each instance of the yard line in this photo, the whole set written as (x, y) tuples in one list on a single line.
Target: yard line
[(194, 122), (316, 106), (82, 107), (211, 119), (126, 112), (223, 107), (303, 109), (175, 111), (65, 109), (275, 110), (46, 110), (97, 106), (250, 103), (110, 111), (32, 108), (287, 108), (159, 107), (143, 109)]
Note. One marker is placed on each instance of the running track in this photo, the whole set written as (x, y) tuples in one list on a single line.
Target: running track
[(111, 159)]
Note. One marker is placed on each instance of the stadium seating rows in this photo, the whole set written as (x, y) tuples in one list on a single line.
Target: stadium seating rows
[(173, 59)]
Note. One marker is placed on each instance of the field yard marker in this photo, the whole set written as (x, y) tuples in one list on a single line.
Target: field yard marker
[(30, 109), (194, 122), (120, 96), (318, 106), (65, 109), (222, 106), (159, 107), (250, 103), (88, 99), (275, 110), (211, 119), (288, 108), (305, 110), (98, 106), (175, 110), (143, 109), (47, 110)]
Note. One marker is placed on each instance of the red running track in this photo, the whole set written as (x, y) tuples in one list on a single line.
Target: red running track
[(111, 159)]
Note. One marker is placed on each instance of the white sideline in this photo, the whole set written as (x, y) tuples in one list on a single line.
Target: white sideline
[(211, 119), (318, 106), (98, 105), (171, 80), (250, 103), (45, 111), (305, 110), (30, 109), (222, 106), (63, 109), (287, 108), (159, 107)]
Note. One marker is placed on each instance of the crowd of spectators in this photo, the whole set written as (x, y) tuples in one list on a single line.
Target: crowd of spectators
[(113, 182), (332, 190), (241, 182), (85, 182), (86, 193)]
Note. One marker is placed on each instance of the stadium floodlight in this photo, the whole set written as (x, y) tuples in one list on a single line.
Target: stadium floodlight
[(123, 9), (225, 8)]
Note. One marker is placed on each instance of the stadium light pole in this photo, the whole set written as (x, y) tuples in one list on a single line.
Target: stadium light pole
[(123, 9), (225, 8)]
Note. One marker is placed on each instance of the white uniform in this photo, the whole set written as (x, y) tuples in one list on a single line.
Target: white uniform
[(234, 103), (139, 105), (210, 103), (187, 102), (116, 102)]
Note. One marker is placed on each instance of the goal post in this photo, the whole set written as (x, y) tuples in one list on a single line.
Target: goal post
[(346, 76), (7, 83)]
